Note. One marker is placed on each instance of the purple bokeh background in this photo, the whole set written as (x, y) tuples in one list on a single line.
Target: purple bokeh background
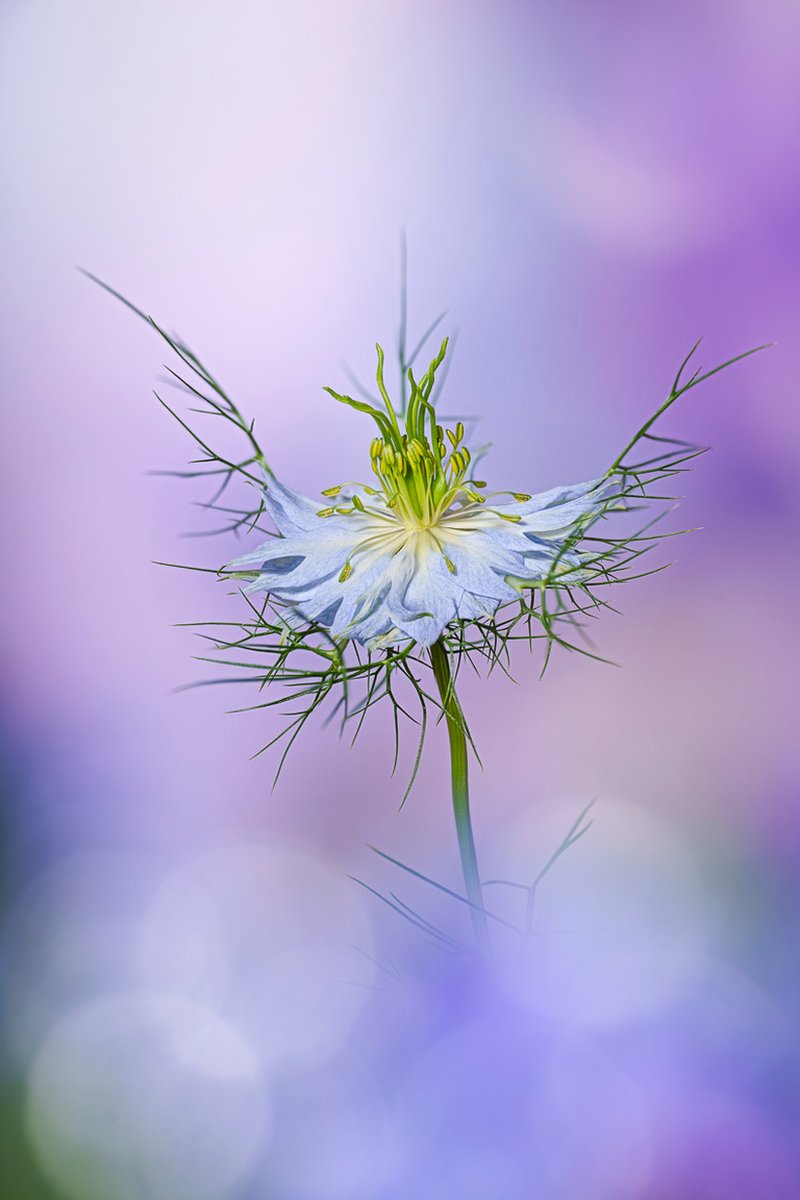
[(587, 188)]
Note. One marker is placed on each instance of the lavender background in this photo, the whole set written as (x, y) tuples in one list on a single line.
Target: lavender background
[(587, 188)]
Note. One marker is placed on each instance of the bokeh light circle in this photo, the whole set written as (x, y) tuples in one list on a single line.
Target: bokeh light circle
[(146, 1095), (269, 937)]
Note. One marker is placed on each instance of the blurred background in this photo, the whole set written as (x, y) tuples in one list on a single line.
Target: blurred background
[(198, 1002)]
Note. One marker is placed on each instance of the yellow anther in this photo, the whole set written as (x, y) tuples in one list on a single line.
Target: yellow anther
[(509, 517), (387, 457), (357, 503), (449, 564), (452, 438), (376, 447), (334, 491), (480, 483), (465, 454), (326, 512), (459, 430), (521, 496), (474, 497), (401, 465), (442, 450), (439, 433), (457, 462), (346, 572)]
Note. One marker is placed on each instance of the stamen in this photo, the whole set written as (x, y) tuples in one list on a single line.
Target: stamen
[(326, 512), (345, 573)]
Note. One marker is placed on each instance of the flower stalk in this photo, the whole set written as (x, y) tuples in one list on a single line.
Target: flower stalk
[(459, 773)]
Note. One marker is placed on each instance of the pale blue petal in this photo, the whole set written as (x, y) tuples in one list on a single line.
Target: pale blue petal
[(254, 558), (291, 564), (558, 496), (344, 605), (556, 511), (427, 604), (427, 596), (291, 511), (482, 562)]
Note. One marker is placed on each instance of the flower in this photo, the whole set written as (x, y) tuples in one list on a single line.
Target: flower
[(427, 546), (423, 557)]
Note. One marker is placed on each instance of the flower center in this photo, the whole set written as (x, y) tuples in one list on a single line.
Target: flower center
[(420, 477), (422, 469)]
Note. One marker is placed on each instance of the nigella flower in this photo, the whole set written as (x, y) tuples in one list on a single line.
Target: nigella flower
[(424, 567), (400, 561)]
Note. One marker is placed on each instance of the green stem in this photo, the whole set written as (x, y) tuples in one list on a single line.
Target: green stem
[(459, 770)]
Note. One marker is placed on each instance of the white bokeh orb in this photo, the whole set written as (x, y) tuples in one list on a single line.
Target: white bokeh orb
[(141, 1094), (271, 938), (67, 938)]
